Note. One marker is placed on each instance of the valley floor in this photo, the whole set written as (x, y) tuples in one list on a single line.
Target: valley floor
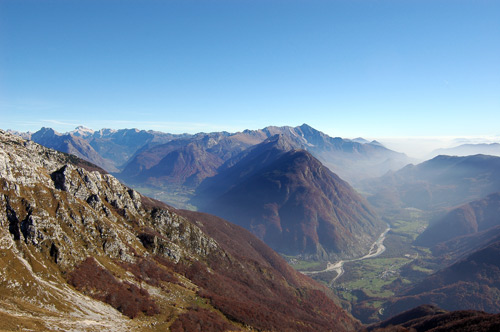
[(376, 249), (392, 264)]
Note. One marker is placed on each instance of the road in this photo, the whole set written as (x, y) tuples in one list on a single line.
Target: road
[(376, 249)]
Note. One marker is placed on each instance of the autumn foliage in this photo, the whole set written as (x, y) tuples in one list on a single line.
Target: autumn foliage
[(150, 271), (99, 283), (264, 296), (202, 320)]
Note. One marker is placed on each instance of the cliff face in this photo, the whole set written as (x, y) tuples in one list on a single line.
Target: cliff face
[(79, 250)]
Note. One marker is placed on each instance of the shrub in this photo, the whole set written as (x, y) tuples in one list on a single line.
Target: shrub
[(203, 320)]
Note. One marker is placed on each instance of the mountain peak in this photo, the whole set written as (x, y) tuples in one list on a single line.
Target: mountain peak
[(307, 127), (360, 140), (45, 132), (82, 131)]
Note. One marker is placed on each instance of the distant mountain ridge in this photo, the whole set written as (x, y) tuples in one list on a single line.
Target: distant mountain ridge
[(184, 161), (442, 182), (350, 159), (126, 149), (107, 148), (492, 149), (71, 144)]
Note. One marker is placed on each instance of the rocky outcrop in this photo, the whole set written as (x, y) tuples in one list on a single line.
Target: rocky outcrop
[(58, 205)]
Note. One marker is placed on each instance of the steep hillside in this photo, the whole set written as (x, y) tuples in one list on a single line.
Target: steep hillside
[(295, 204), (80, 251), (472, 283), (441, 182), (467, 219), (432, 318), (459, 247)]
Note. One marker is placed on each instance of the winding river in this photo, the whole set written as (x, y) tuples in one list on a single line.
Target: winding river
[(376, 249)]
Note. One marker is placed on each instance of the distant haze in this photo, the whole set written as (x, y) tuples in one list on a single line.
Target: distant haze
[(423, 147)]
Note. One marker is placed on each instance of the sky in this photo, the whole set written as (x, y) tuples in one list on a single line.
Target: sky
[(379, 69)]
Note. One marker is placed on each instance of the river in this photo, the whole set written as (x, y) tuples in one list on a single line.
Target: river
[(376, 249)]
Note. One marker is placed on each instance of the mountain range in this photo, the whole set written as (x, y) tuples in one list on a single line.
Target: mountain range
[(350, 159), (137, 152), (107, 148), (80, 251), (299, 207)]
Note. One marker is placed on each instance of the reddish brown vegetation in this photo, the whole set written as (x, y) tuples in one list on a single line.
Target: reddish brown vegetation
[(261, 291), (431, 318), (203, 320), (150, 271), (93, 280), (472, 283)]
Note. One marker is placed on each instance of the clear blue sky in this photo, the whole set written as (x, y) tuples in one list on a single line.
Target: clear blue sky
[(352, 68)]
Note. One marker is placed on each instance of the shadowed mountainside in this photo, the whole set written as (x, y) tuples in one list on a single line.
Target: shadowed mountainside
[(471, 283), (470, 218), (291, 201), (432, 318), (441, 182)]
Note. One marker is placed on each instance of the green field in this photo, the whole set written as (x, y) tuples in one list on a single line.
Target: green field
[(304, 265), (369, 283), (372, 276)]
